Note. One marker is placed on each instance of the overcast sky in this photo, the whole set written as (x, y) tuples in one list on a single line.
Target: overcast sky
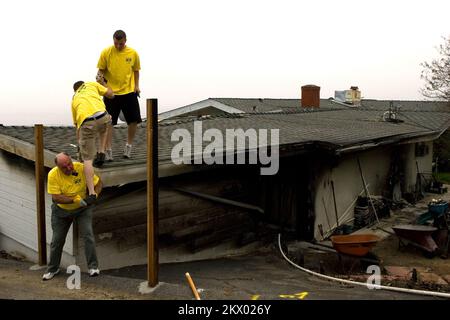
[(195, 49)]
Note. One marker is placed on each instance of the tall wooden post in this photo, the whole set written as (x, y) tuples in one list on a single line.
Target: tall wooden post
[(40, 193), (152, 192)]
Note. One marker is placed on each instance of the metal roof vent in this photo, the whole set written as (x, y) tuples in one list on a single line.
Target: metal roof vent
[(392, 114)]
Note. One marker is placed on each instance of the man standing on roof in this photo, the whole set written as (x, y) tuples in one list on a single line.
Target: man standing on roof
[(91, 119), (67, 186), (119, 65)]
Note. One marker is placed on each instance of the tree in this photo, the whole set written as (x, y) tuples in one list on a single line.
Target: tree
[(437, 74)]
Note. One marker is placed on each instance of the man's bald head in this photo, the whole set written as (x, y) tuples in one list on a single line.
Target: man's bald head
[(64, 162)]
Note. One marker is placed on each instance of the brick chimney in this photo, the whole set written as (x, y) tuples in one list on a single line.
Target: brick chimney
[(310, 96)]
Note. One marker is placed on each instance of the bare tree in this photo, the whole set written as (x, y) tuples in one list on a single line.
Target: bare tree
[(436, 74)]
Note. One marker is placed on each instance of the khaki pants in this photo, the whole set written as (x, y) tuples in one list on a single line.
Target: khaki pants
[(89, 131)]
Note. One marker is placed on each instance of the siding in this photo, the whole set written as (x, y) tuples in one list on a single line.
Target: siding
[(18, 203), (348, 185), (424, 163)]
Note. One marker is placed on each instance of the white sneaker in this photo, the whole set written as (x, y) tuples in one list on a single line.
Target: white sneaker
[(49, 275), (108, 155), (94, 272), (127, 151)]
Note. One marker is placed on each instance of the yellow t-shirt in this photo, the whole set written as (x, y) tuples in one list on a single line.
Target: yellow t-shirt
[(119, 68), (59, 183), (86, 101)]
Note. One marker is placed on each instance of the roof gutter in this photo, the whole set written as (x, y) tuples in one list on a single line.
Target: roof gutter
[(400, 139)]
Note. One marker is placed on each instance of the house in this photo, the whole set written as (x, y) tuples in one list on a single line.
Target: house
[(325, 152)]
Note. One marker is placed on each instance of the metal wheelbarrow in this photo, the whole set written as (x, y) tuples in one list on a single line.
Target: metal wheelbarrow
[(417, 235)]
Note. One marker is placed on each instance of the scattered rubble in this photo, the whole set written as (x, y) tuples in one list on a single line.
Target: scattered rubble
[(401, 265)]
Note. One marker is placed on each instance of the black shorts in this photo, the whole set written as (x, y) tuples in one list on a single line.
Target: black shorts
[(128, 104)]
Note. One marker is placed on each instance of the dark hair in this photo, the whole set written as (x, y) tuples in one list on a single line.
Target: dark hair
[(77, 84), (119, 35)]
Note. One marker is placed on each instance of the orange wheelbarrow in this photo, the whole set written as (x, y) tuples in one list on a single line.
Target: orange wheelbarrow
[(357, 245)]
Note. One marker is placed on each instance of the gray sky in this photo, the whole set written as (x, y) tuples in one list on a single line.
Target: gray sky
[(195, 49)]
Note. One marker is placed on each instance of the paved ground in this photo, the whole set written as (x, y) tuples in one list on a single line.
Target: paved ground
[(262, 276)]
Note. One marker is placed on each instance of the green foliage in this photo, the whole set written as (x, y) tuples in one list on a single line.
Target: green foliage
[(442, 152), (443, 177)]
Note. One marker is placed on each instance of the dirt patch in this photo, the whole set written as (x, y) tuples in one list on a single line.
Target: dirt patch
[(392, 254), (421, 271), (11, 256), (429, 273), (17, 281)]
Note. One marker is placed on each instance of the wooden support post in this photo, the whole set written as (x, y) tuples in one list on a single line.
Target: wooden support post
[(40, 193), (152, 192)]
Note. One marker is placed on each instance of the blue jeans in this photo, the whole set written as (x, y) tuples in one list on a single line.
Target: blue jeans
[(61, 221)]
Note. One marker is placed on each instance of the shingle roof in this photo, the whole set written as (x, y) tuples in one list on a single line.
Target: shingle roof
[(331, 124), (339, 127), (267, 105)]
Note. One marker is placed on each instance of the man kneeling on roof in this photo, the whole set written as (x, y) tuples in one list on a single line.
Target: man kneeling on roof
[(91, 119), (67, 186)]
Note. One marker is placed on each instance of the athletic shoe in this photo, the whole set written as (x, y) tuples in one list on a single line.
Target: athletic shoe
[(108, 155), (127, 151), (49, 275), (94, 272)]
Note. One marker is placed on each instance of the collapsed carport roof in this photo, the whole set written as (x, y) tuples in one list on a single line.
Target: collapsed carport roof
[(337, 129)]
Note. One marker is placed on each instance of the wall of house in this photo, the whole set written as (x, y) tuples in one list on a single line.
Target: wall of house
[(348, 186), (424, 163), (376, 166), (18, 221)]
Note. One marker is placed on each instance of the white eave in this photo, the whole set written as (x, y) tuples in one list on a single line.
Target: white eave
[(198, 106)]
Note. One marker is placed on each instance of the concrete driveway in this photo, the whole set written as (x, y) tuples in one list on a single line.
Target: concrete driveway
[(262, 276)]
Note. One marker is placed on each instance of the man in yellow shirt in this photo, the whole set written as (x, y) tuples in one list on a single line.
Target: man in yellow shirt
[(119, 65), (67, 186), (91, 119)]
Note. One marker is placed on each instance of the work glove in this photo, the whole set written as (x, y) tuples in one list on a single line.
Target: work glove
[(80, 201), (91, 199)]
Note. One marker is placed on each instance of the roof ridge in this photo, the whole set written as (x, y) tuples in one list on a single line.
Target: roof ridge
[(375, 100)]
